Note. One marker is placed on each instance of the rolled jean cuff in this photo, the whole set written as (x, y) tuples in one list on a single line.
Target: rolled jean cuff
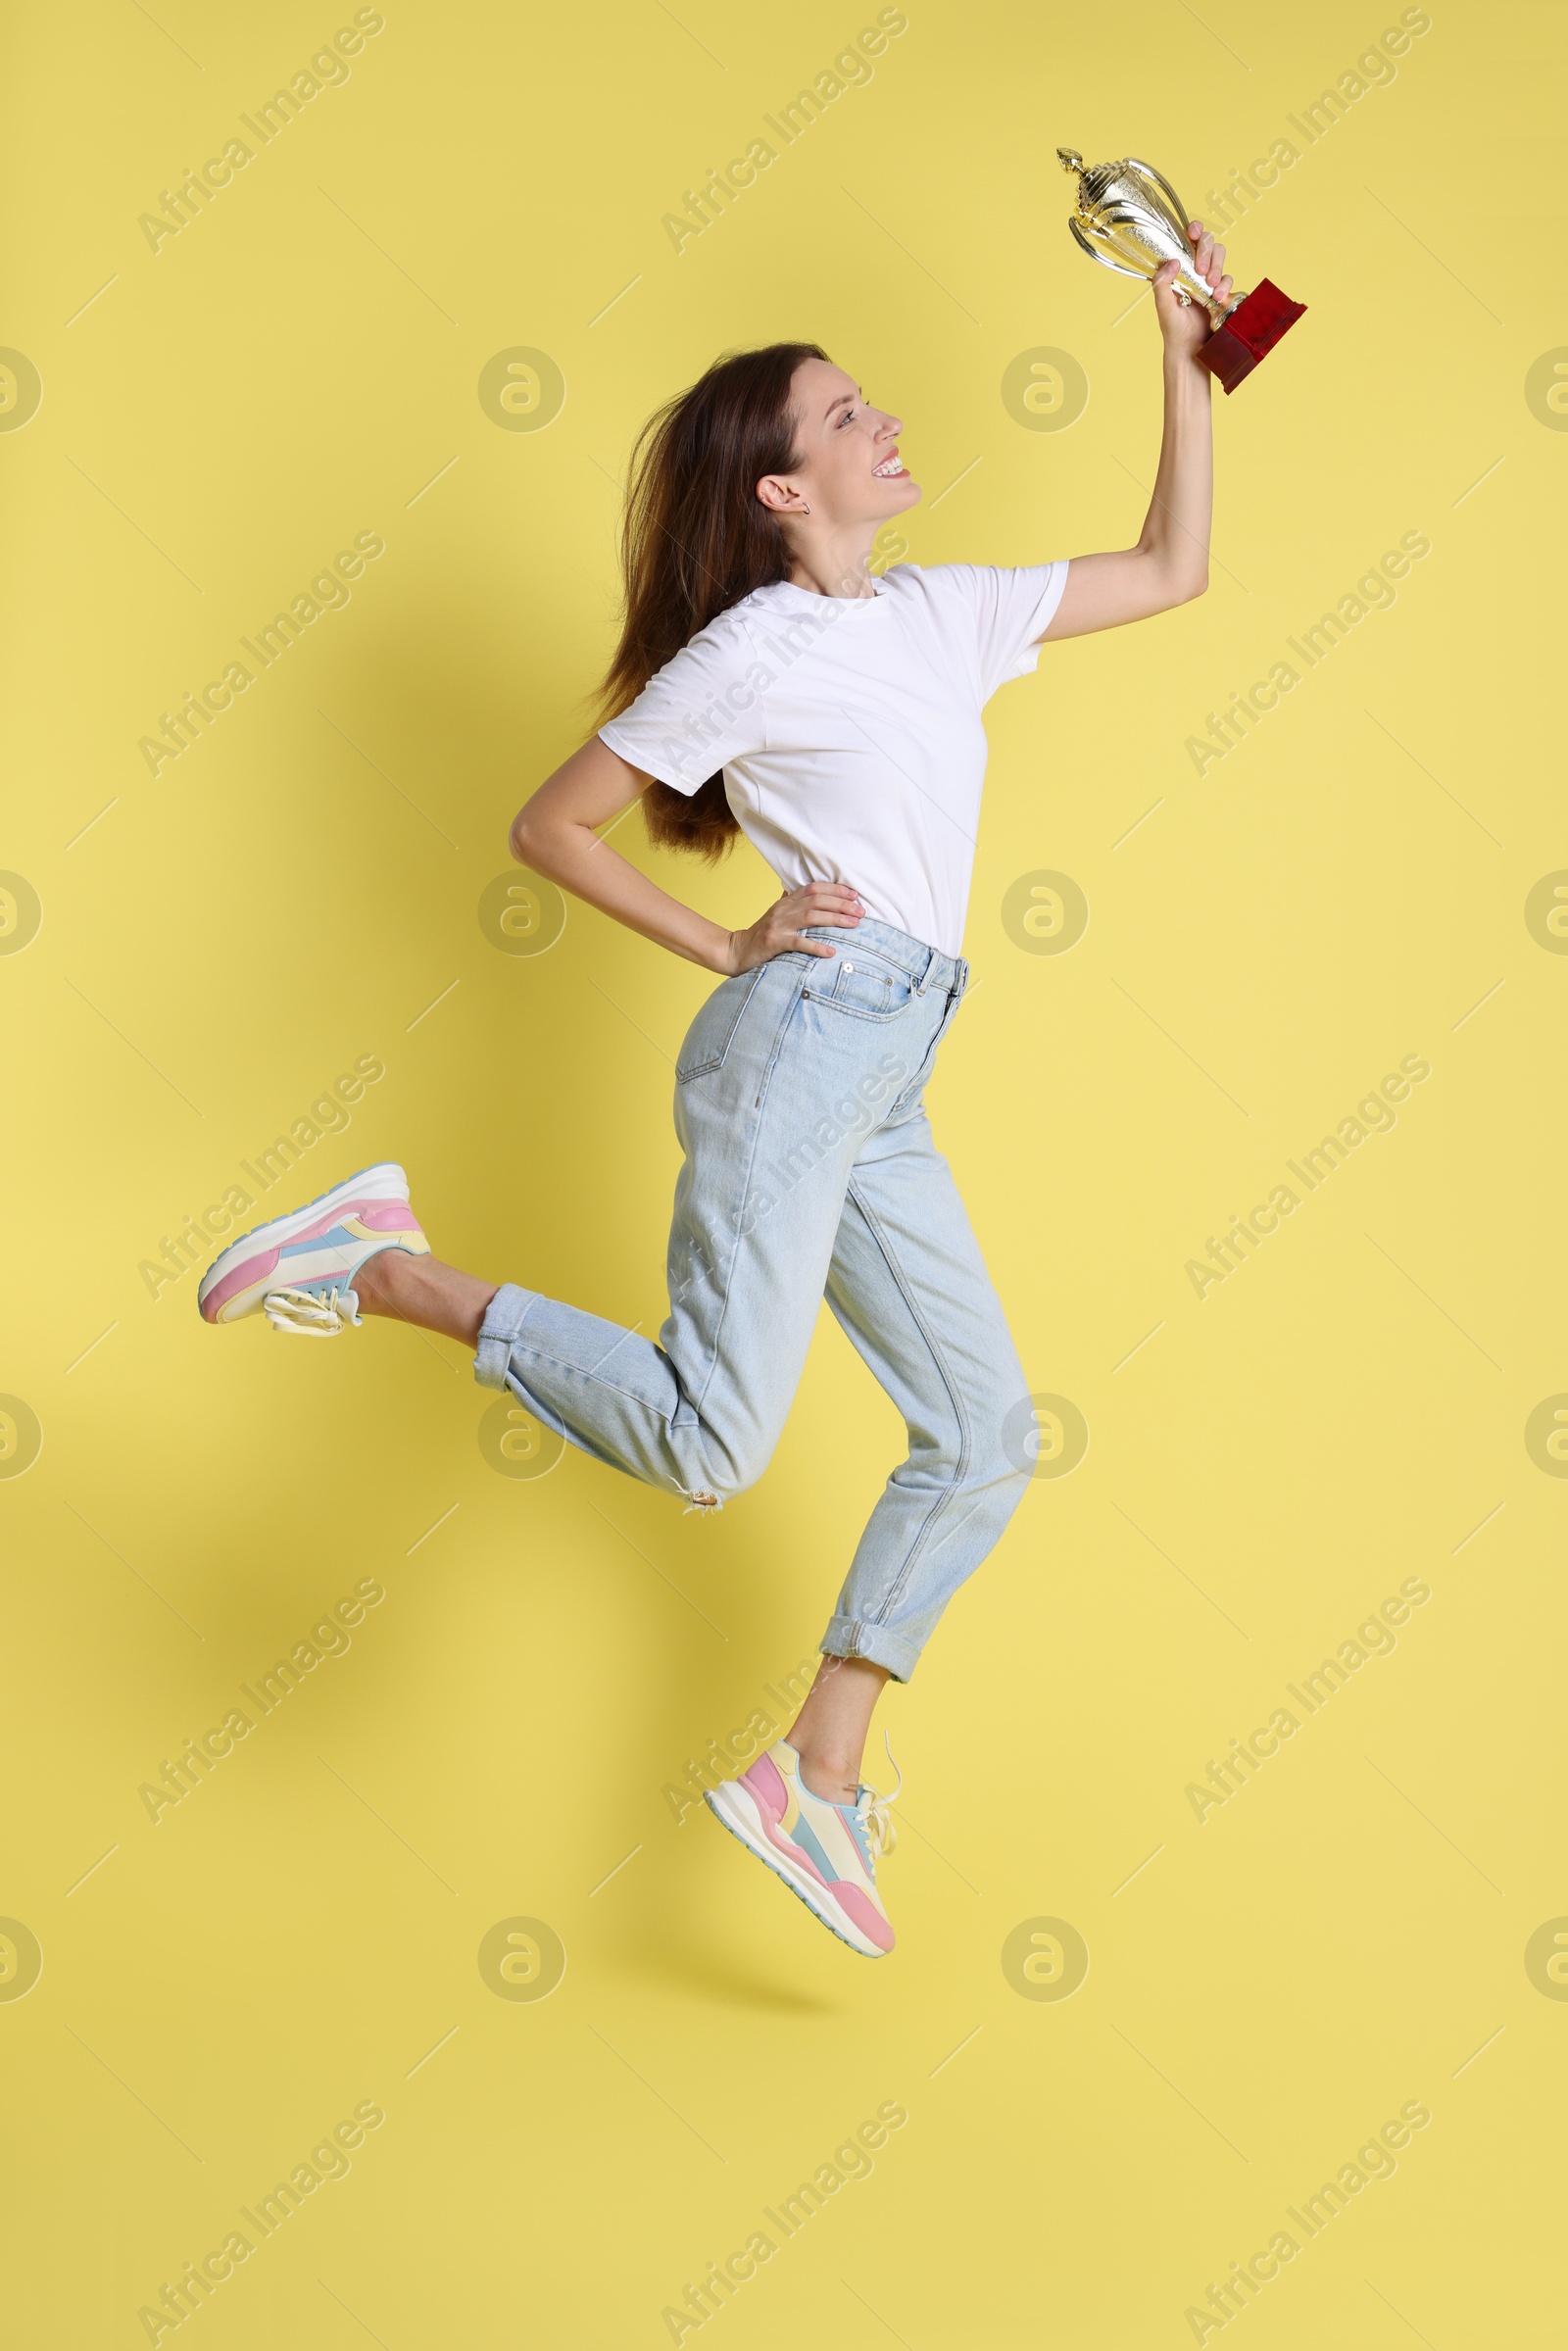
[(851, 1637), (498, 1332)]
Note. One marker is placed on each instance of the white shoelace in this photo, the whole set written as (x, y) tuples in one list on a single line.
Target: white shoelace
[(299, 1315), (873, 1813)]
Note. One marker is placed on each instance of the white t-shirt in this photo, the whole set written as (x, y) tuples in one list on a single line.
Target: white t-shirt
[(849, 730)]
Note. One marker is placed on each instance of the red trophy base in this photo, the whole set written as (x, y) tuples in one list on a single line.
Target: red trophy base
[(1250, 333)]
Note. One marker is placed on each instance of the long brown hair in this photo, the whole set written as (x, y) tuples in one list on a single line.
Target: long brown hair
[(696, 539)]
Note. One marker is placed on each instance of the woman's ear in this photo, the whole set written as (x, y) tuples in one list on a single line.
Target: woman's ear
[(780, 496)]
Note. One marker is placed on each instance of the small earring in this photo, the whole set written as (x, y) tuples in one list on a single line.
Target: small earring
[(808, 509)]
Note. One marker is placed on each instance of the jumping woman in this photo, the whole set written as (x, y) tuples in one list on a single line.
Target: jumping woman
[(768, 683)]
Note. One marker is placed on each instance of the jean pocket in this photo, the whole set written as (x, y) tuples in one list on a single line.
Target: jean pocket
[(867, 990), (712, 1032)]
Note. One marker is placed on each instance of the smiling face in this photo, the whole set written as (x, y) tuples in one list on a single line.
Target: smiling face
[(848, 468)]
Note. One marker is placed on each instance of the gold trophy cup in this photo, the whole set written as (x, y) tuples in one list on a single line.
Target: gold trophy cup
[(1130, 218)]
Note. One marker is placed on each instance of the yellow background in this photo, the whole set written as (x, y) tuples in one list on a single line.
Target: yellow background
[(1341, 1414)]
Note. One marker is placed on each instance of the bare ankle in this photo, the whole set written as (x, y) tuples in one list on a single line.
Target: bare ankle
[(375, 1280), (831, 1777), (420, 1290)]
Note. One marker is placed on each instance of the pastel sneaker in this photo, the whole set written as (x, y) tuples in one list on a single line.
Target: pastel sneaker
[(300, 1269), (826, 1853)]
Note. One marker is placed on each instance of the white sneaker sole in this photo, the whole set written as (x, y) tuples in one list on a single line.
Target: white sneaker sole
[(384, 1181), (741, 1815)]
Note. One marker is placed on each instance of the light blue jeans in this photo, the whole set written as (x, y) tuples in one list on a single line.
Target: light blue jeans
[(809, 1168)]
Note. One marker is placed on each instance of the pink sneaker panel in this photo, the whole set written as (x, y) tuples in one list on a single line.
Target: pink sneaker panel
[(766, 1784), (376, 1215), (381, 1215), (241, 1278), (858, 1905)]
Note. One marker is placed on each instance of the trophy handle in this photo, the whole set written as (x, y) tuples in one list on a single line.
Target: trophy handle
[(1102, 259), (1160, 181)]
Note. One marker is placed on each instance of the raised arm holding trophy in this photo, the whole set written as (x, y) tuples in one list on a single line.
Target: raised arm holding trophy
[(1130, 218)]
